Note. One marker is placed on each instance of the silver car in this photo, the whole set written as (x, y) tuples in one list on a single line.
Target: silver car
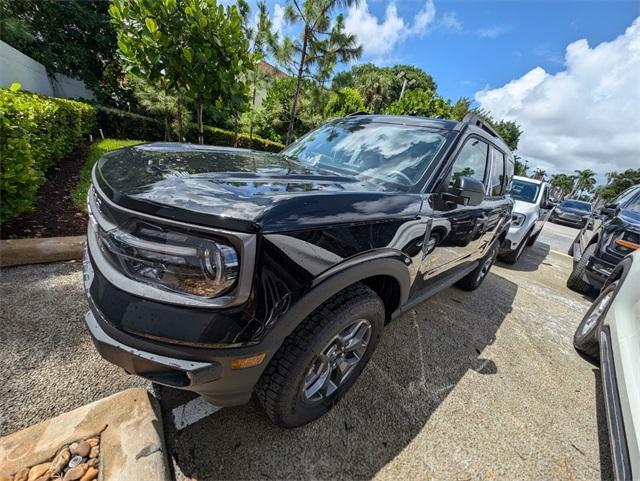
[(530, 211), (609, 335)]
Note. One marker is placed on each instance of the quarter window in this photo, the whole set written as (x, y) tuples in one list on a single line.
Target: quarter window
[(497, 173), (471, 161)]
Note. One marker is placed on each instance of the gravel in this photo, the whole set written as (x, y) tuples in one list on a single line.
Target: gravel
[(478, 385), (48, 362)]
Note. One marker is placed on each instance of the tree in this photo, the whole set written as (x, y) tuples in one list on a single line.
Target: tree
[(585, 180), (72, 37), (321, 40), (343, 102), (618, 182), (461, 108), (195, 47), (520, 167), (539, 174), (263, 42), (563, 183), (420, 102)]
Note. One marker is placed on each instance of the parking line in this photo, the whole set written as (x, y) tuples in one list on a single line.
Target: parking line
[(192, 411), (560, 253)]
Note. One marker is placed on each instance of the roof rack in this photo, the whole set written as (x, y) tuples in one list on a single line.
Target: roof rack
[(475, 119)]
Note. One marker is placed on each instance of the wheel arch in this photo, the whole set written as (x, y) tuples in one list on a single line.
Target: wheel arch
[(385, 272)]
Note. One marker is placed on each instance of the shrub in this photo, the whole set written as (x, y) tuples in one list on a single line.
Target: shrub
[(344, 102), (118, 124), (35, 132), (97, 150)]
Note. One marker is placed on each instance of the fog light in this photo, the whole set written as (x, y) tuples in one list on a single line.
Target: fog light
[(245, 362)]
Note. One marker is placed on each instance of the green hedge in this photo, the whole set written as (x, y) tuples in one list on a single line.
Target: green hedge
[(118, 124), (35, 132)]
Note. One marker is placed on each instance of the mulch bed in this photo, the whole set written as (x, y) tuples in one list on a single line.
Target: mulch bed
[(54, 214)]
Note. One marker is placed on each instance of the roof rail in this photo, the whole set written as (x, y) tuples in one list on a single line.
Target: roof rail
[(475, 119), (362, 112)]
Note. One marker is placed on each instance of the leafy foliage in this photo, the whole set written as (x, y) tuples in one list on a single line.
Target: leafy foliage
[(618, 183), (344, 102), (35, 133), (322, 43), (585, 180), (420, 102), (195, 47), (539, 174), (563, 183)]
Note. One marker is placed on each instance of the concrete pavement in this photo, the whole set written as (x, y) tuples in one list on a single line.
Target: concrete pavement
[(480, 385)]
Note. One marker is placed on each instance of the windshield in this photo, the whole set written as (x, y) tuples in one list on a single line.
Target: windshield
[(575, 204), (525, 191), (395, 153)]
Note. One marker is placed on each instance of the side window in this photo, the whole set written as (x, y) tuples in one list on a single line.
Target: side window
[(634, 205), (471, 161), (625, 196), (497, 173), (510, 171)]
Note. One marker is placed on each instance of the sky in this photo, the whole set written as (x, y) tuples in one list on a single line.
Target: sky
[(567, 72)]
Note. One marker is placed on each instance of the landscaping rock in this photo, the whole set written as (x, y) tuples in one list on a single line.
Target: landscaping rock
[(59, 462), (82, 449), (36, 471), (90, 475), (75, 473)]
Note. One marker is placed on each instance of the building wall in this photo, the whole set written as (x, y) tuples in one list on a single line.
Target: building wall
[(32, 76)]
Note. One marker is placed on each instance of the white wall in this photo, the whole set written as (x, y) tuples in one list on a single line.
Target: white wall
[(18, 67)]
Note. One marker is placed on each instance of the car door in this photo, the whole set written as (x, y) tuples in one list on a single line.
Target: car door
[(495, 207), (456, 231)]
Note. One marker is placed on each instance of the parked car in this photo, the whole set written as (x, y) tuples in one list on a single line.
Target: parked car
[(530, 212), (571, 212), (230, 272), (602, 243), (609, 335)]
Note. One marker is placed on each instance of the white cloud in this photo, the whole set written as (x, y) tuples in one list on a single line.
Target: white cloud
[(277, 21), (380, 37), (491, 32), (586, 116), (450, 21)]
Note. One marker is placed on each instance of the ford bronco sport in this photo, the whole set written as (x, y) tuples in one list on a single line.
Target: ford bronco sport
[(234, 273)]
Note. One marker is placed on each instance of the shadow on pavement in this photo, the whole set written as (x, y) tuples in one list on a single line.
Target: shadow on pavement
[(606, 468), (421, 358), (530, 259)]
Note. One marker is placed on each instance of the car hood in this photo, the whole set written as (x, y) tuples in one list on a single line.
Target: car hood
[(522, 207), (241, 189), (572, 210)]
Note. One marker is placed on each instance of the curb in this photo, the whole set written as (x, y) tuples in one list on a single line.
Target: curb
[(17, 252), (132, 442)]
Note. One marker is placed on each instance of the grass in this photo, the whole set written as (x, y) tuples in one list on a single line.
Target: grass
[(97, 149)]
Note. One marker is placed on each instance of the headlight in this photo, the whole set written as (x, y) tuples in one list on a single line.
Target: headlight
[(172, 260), (517, 219)]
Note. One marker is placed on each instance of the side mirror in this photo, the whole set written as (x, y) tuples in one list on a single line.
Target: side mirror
[(548, 205), (610, 209), (467, 191)]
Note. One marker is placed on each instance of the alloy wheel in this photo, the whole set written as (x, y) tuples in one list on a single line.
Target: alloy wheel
[(336, 361)]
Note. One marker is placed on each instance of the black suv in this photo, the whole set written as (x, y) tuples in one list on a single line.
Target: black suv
[(230, 272), (605, 240)]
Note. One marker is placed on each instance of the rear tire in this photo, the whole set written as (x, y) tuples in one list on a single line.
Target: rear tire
[(474, 279), (585, 339), (577, 277), (570, 251), (285, 388), (532, 240)]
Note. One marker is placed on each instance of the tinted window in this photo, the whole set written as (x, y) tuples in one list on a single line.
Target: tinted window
[(575, 204), (497, 172), (471, 161), (525, 191), (396, 153), (634, 205), (626, 195), (510, 171)]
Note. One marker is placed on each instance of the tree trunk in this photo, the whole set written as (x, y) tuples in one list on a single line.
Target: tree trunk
[(296, 93), (200, 125), (180, 126), (253, 106)]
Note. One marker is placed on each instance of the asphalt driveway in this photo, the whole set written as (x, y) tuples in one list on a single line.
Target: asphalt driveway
[(481, 385)]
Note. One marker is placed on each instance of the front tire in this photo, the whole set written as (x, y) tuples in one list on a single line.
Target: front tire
[(322, 358), (512, 257), (577, 277), (585, 339), (474, 279)]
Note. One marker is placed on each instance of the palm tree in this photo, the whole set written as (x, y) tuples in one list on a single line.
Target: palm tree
[(539, 174), (322, 42), (585, 180), (563, 183)]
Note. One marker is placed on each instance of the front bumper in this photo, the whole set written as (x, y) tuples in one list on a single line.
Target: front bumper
[(515, 235), (214, 379), (567, 218)]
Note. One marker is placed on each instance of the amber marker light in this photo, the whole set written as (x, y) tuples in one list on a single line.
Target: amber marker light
[(629, 245), (245, 362)]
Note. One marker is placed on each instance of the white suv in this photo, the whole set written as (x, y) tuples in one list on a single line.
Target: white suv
[(530, 211)]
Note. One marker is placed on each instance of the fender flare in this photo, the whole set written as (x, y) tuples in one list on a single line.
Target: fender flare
[(387, 262)]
